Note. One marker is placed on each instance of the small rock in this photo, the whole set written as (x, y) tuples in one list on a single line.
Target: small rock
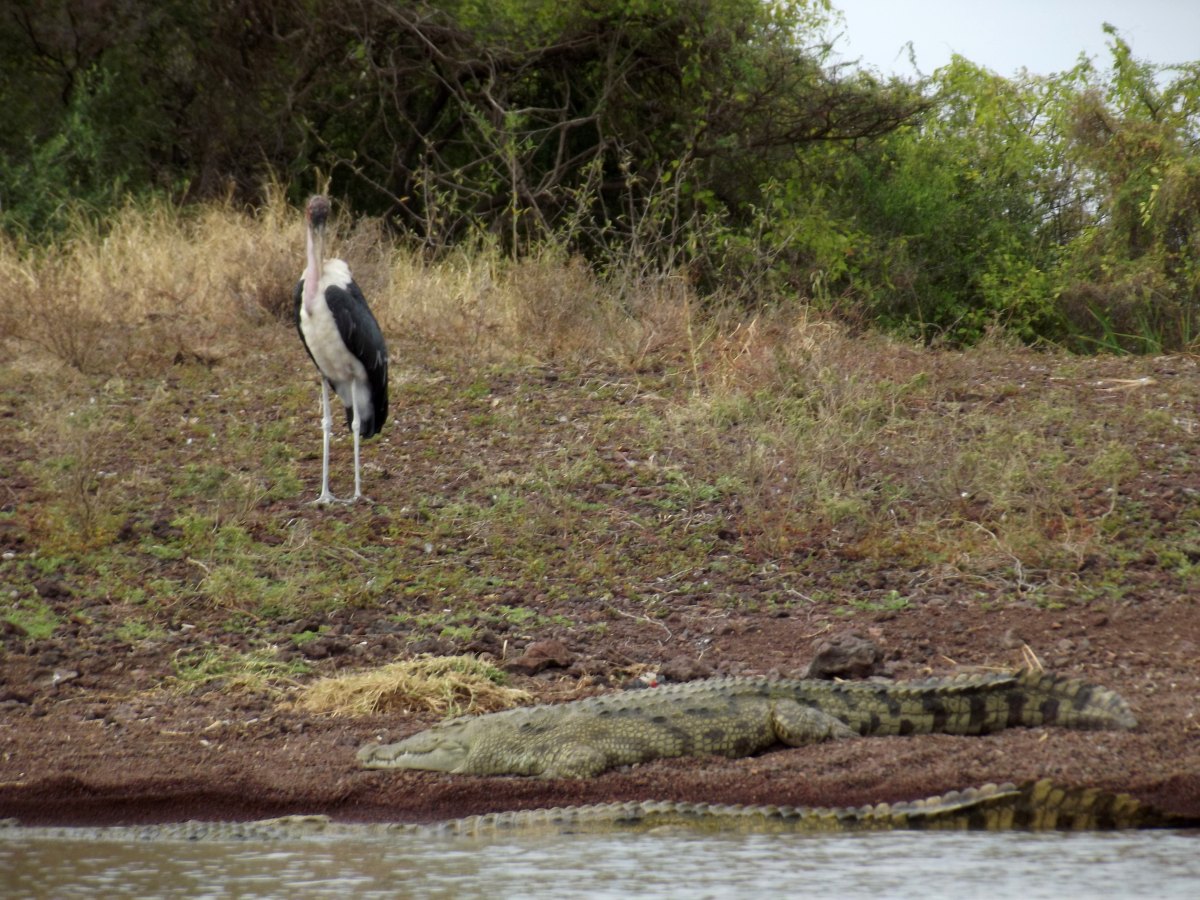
[(1011, 640), (684, 668), (122, 714), (325, 647), (62, 676), (50, 589), (845, 655), (16, 695), (541, 655)]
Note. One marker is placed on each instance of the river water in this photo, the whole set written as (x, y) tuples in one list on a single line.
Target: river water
[(891, 864)]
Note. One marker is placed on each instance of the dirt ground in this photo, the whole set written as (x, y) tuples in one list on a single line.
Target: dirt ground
[(88, 734), (79, 751)]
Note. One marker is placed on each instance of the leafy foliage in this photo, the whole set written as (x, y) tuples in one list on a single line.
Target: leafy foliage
[(710, 138), (1132, 273)]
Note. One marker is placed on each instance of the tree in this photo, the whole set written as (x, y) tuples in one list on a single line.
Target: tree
[(1131, 277)]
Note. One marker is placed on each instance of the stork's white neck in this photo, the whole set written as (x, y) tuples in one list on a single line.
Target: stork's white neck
[(312, 272)]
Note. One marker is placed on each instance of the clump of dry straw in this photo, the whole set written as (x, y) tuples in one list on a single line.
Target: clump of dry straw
[(445, 684)]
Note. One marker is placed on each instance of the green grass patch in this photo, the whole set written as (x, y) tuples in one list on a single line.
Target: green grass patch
[(892, 601), (254, 671), (135, 631), (32, 616)]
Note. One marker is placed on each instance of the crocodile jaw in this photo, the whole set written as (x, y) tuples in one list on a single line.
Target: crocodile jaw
[(442, 756)]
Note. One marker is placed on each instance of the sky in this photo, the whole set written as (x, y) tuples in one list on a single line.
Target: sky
[(1043, 36)]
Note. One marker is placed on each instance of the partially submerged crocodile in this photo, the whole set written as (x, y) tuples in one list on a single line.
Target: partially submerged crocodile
[(737, 717), (1036, 806)]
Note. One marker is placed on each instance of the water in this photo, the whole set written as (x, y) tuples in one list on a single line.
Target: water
[(894, 864)]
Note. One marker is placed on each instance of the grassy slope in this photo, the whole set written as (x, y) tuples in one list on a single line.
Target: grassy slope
[(553, 439)]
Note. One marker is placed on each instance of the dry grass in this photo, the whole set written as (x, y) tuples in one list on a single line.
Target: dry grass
[(82, 514), (797, 410), (484, 307), (452, 685), (154, 285), (962, 464), (889, 451)]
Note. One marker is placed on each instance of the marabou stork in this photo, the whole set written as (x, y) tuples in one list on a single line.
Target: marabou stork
[(344, 341)]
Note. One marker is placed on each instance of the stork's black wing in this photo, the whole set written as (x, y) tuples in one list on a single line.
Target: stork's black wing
[(362, 336)]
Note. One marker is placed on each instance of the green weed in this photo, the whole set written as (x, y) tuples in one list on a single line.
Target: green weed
[(255, 671), (32, 616), (892, 601)]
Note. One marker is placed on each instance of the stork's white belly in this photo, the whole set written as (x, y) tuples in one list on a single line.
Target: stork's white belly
[(325, 343)]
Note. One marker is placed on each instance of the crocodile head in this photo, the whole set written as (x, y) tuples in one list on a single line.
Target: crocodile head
[(442, 749)]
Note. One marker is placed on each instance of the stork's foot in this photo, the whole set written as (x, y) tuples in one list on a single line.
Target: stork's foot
[(327, 499)]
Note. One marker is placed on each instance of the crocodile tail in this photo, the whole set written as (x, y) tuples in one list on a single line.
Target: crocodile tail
[(1046, 805), (1033, 806), (969, 704), (1040, 698)]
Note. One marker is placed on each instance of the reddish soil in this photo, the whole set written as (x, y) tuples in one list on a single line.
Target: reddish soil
[(81, 751), (89, 735)]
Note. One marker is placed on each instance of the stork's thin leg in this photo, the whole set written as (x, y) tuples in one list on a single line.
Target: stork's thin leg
[(326, 428), (356, 427)]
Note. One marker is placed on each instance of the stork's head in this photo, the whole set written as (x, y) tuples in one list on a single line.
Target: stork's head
[(317, 211)]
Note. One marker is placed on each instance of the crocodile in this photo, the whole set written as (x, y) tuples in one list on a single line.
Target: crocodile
[(741, 716), (1033, 806)]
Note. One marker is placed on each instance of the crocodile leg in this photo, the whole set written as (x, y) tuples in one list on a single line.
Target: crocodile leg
[(576, 759), (796, 724)]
